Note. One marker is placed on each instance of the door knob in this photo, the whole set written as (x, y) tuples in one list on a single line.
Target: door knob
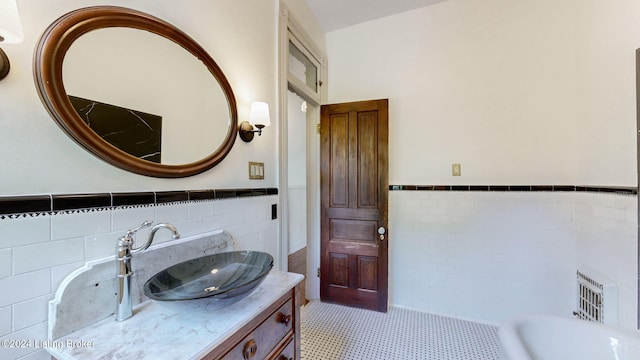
[(381, 232)]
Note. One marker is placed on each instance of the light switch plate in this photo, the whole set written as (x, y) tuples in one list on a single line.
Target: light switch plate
[(456, 170), (256, 170)]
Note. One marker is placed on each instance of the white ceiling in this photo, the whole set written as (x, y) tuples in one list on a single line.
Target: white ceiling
[(337, 14)]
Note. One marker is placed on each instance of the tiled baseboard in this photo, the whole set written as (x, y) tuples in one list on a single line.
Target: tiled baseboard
[(564, 188), (36, 204)]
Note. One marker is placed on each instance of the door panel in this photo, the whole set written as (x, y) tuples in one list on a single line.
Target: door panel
[(340, 166), (367, 160), (354, 195), (339, 269), (368, 269), (353, 230)]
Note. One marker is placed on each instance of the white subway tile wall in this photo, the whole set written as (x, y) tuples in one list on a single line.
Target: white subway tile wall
[(23, 287), (25, 231), (123, 219), (5, 263), (483, 256), (47, 255), (606, 230), (487, 256), (38, 252), (58, 273), (176, 212), (5, 320), (30, 312), (65, 226)]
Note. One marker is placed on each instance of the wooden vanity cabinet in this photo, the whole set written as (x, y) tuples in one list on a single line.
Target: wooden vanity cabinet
[(272, 335)]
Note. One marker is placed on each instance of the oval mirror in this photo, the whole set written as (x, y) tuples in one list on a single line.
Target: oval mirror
[(135, 91)]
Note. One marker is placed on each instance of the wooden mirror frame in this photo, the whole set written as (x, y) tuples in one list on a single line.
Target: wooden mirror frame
[(49, 56)]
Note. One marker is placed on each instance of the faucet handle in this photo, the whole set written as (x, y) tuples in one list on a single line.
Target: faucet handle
[(142, 226), (152, 233), (127, 239)]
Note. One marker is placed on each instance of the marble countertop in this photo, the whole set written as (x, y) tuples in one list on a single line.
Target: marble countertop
[(170, 330)]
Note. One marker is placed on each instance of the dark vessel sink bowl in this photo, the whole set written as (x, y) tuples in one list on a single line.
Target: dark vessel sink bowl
[(220, 276)]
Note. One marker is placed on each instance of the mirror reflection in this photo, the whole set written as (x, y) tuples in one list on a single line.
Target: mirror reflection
[(146, 95), (168, 88)]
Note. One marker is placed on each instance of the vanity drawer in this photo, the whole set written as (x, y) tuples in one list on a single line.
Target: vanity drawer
[(289, 352), (264, 338)]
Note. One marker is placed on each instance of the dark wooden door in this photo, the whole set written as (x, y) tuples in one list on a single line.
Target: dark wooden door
[(354, 196)]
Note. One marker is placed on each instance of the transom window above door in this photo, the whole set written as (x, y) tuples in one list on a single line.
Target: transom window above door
[(303, 70)]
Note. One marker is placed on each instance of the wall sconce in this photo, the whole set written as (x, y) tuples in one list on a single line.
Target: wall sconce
[(10, 31), (258, 117)]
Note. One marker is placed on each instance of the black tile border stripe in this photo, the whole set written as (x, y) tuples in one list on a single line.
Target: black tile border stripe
[(627, 190), (171, 196), (80, 201), (133, 198), (12, 205), (25, 204), (196, 195)]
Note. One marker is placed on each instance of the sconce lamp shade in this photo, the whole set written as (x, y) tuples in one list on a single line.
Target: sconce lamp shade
[(259, 114), (258, 117), (10, 27)]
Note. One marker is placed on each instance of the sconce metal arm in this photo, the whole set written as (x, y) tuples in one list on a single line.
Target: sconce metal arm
[(246, 131)]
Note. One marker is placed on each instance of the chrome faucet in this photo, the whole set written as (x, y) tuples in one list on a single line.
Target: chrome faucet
[(123, 259)]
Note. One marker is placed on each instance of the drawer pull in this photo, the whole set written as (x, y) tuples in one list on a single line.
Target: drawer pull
[(284, 319), (250, 349)]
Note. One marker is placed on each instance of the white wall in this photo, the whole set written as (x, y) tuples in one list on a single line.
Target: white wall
[(525, 92), (38, 158), (518, 92), (240, 35), (607, 35)]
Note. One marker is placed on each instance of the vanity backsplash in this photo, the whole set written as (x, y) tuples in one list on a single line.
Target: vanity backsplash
[(89, 294)]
